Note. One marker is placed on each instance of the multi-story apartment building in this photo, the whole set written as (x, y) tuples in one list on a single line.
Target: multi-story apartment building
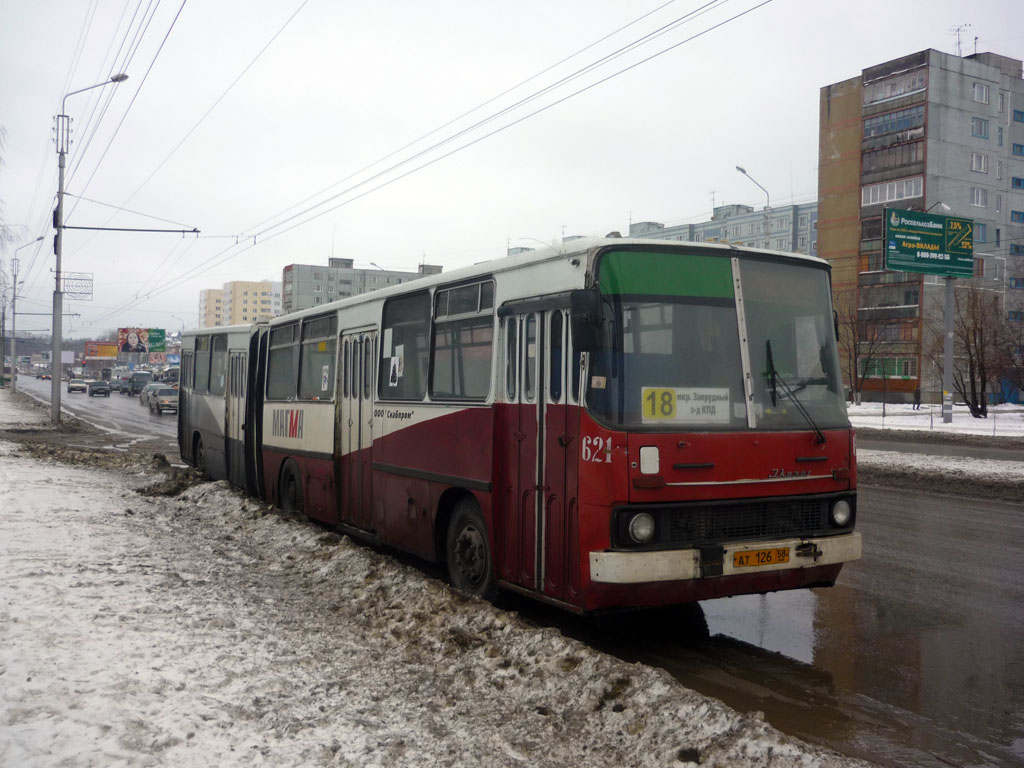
[(308, 285), (239, 301), (251, 301), (780, 228), (211, 307), (929, 132)]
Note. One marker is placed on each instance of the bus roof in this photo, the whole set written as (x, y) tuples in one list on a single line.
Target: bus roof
[(578, 248)]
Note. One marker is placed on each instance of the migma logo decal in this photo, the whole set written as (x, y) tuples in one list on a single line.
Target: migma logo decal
[(287, 423)]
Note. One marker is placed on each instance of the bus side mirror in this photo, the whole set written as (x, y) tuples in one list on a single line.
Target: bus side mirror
[(585, 320)]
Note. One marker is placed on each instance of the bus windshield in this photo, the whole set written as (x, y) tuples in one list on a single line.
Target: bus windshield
[(672, 355)]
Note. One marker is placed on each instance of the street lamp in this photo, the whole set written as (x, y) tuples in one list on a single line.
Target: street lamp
[(767, 205), (63, 141), (14, 312)]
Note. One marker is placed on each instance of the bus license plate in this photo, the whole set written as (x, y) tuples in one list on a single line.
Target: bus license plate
[(754, 557)]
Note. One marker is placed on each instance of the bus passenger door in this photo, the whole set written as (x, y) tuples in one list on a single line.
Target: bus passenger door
[(558, 529), (517, 555), (354, 432), (234, 416)]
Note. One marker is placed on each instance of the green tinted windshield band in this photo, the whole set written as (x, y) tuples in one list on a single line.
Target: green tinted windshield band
[(665, 274)]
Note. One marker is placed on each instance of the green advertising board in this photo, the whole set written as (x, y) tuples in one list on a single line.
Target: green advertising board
[(929, 243), (157, 340)]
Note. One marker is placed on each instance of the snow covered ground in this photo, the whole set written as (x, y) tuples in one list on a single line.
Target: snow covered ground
[(209, 629), (1002, 421)]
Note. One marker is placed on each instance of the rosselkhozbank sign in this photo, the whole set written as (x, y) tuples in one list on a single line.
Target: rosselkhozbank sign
[(928, 243)]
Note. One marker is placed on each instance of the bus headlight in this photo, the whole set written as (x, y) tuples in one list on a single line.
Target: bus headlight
[(841, 513), (641, 528)]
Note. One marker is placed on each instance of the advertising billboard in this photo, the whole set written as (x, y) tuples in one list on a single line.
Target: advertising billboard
[(141, 340), (928, 243), (100, 349)]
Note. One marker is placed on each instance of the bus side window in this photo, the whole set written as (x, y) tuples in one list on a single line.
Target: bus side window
[(367, 372)]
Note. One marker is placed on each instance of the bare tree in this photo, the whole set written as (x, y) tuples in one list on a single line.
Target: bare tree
[(979, 331), (859, 340)]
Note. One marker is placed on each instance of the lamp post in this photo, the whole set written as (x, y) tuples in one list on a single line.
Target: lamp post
[(14, 313), (947, 341), (767, 203), (63, 141)]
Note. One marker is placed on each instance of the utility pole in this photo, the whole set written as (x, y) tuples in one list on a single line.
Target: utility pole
[(63, 142)]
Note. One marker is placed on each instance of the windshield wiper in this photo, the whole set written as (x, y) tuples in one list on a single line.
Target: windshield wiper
[(775, 379)]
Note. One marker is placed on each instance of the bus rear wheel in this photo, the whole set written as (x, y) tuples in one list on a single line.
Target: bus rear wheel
[(468, 551), (289, 492), (200, 457)]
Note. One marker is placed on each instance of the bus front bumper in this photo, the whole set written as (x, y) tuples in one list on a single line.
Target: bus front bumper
[(732, 559)]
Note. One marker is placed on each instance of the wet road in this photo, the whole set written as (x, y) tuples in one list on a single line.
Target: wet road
[(943, 449), (119, 414), (915, 658)]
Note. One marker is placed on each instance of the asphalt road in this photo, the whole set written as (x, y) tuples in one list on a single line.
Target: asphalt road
[(128, 422)]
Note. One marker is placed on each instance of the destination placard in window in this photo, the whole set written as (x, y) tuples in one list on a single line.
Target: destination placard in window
[(685, 405)]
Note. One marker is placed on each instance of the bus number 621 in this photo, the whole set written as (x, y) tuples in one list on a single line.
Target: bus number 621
[(597, 450)]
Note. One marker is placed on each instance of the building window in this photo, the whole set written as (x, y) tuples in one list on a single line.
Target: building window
[(1018, 114), (902, 120), (893, 87), (871, 229), (999, 135), (979, 267), (981, 93), (1017, 217), (893, 157), (979, 162), (1015, 316), (318, 288), (999, 169), (1018, 149), (980, 232), (1016, 249), (979, 197), (1018, 182), (1017, 282), (891, 190), (979, 127)]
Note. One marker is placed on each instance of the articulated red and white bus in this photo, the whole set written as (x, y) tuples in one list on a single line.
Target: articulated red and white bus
[(614, 423)]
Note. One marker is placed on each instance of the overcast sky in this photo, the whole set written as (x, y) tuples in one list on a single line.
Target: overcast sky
[(240, 116)]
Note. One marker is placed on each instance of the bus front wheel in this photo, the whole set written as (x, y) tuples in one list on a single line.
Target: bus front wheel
[(468, 551)]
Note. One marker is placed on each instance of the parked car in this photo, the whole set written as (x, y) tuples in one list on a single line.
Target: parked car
[(147, 391), (123, 385), (77, 385), (99, 387), (162, 399)]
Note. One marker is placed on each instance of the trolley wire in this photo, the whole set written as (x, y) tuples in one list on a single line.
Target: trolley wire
[(225, 255)]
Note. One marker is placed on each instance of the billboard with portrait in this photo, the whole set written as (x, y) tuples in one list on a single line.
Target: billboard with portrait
[(141, 340)]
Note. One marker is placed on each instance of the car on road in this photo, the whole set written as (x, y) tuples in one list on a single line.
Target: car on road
[(122, 384), (163, 398), (77, 385), (147, 391), (99, 387)]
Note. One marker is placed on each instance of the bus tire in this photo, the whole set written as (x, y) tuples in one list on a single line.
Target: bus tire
[(468, 551), (199, 454), (289, 491)]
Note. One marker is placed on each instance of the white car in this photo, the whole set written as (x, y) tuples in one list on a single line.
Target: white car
[(78, 385)]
